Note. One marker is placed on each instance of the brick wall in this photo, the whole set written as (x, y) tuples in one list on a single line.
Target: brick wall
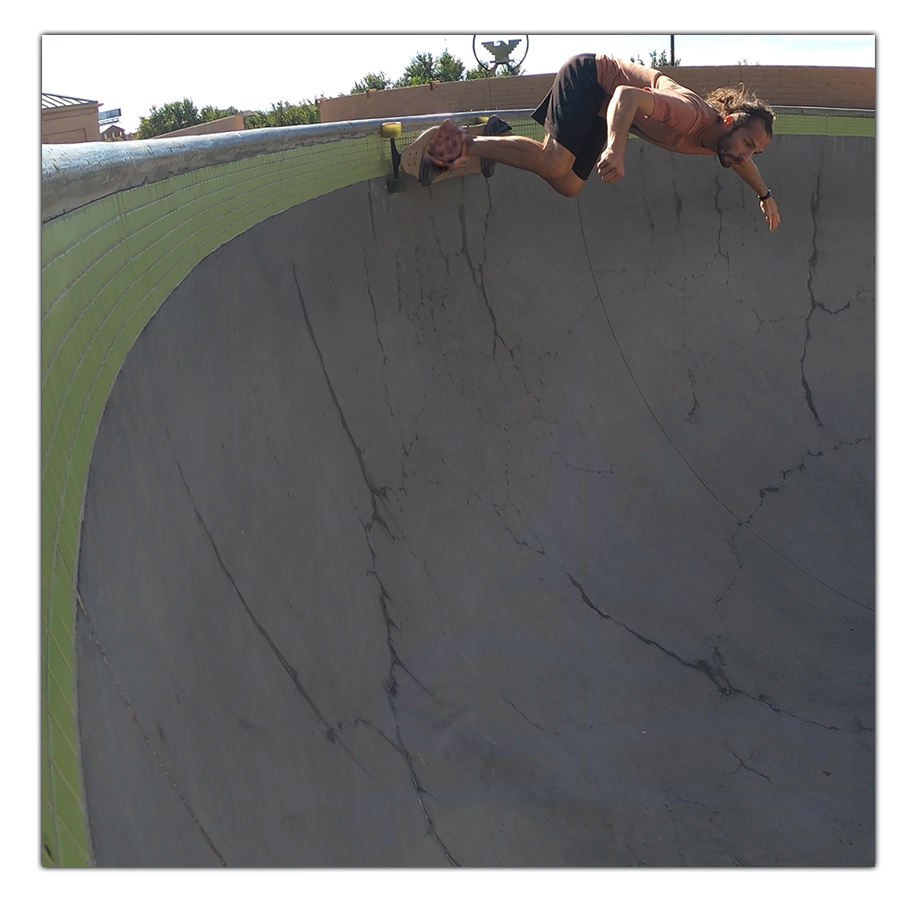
[(841, 87)]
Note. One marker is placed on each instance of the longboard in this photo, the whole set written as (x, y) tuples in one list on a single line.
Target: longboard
[(410, 159)]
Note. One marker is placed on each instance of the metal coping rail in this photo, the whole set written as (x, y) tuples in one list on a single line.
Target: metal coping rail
[(73, 175)]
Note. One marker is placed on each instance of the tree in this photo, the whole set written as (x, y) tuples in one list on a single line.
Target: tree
[(283, 114), (211, 113), (180, 114), (423, 68), (374, 80), (483, 71), (658, 60), (169, 117), (449, 67)]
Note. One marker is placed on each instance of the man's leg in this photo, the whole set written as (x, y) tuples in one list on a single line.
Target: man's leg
[(550, 160), (575, 132)]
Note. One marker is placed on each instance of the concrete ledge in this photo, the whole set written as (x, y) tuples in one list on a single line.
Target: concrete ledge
[(73, 175)]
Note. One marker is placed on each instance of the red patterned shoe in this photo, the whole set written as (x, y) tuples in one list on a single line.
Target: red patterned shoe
[(447, 145)]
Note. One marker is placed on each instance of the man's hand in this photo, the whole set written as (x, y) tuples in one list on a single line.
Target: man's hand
[(611, 165), (749, 173), (770, 211), (625, 103)]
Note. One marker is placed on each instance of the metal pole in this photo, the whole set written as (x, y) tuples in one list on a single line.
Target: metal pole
[(672, 46)]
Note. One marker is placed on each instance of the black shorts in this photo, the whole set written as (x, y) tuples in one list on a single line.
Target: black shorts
[(570, 112)]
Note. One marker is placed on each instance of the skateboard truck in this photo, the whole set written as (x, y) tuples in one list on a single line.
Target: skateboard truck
[(395, 182)]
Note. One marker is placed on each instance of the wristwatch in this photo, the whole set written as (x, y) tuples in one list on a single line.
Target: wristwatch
[(765, 196)]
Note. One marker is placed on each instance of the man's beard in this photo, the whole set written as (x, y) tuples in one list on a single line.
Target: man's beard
[(725, 158)]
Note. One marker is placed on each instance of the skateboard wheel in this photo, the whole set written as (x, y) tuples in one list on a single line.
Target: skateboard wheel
[(391, 129)]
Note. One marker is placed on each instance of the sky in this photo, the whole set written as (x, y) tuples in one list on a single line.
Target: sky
[(253, 71)]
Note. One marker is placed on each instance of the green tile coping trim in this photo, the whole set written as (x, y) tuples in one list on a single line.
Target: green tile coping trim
[(122, 228)]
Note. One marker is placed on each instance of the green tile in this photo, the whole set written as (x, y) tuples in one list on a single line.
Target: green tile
[(59, 722), (92, 416), (67, 544), (54, 480), (84, 445), (72, 846), (60, 679), (61, 625), (49, 847), (61, 597)]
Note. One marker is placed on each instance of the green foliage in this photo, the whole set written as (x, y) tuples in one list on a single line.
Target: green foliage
[(377, 80), (483, 71), (658, 60), (180, 114), (169, 117), (423, 68), (282, 114), (211, 113)]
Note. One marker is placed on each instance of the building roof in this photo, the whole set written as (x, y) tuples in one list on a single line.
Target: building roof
[(53, 101)]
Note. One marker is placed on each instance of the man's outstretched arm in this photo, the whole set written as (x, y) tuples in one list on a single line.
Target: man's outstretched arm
[(624, 105), (748, 171)]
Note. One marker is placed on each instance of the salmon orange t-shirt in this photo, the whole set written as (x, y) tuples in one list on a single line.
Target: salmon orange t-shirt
[(679, 115)]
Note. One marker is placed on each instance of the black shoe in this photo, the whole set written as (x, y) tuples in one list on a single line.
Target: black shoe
[(494, 126)]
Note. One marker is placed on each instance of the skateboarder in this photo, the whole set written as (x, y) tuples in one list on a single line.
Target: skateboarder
[(594, 103)]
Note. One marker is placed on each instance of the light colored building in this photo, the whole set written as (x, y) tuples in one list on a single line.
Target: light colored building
[(69, 120)]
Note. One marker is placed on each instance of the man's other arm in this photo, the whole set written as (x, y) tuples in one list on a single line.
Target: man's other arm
[(625, 103), (748, 171)]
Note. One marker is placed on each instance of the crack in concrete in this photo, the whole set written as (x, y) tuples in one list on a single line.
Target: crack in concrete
[(800, 467), (743, 765), (668, 437), (695, 406), (384, 358), (293, 674), (777, 488), (731, 584), (372, 215), (678, 203), (529, 721), (499, 510), (391, 689), (477, 273), (721, 214), (812, 266), (156, 756), (420, 793), (714, 672), (607, 472), (375, 493)]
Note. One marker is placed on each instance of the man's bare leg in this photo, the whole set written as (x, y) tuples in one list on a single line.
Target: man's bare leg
[(550, 160)]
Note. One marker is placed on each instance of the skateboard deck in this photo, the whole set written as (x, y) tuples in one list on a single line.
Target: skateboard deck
[(410, 159)]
